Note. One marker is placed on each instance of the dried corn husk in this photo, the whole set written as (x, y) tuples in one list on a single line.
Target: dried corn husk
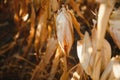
[(112, 71), (64, 30), (83, 52), (115, 26), (92, 62)]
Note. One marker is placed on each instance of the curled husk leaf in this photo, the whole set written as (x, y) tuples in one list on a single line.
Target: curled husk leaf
[(64, 30), (92, 62), (115, 26), (112, 71)]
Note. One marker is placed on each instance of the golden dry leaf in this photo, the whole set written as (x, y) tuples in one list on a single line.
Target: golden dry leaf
[(79, 73), (51, 47), (64, 30), (32, 31), (115, 26), (41, 31), (55, 5), (76, 24), (92, 62), (76, 9), (112, 71), (55, 64)]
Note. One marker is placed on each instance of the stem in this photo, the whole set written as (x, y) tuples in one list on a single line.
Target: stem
[(103, 17)]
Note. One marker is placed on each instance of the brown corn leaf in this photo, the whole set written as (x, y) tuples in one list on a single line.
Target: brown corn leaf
[(55, 7), (41, 31), (32, 31), (76, 24), (55, 63), (115, 26), (51, 47), (79, 73), (63, 60), (76, 8), (64, 30)]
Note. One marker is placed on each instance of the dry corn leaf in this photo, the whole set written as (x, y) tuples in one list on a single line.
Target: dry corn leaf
[(92, 62), (79, 73), (63, 60), (76, 24), (115, 26), (41, 31), (76, 8), (112, 71), (55, 63), (32, 31), (64, 30), (37, 4), (51, 47), (55, 7)]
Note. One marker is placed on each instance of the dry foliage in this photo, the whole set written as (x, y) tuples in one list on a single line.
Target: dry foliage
[(59, 40)]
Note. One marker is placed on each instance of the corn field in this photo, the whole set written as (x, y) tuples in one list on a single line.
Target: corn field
[(59, 39)]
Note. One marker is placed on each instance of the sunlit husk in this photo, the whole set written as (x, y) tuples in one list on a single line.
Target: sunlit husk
[(92, 62), (64, 30), (115, 26), (112, 71)]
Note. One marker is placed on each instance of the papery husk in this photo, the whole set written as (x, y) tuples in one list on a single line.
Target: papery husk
[(64, 29), (92, 62), (84, 54), (112, 71), (114, 28)]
